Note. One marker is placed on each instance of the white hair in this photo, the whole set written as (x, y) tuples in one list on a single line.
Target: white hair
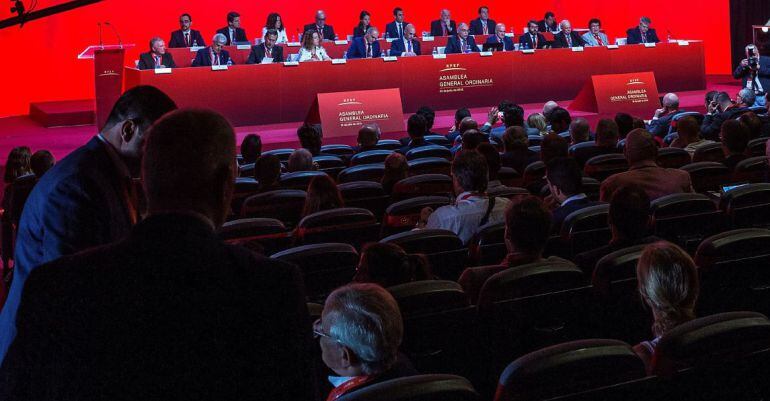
[(645, 20), (372, 29), (365, 318), (219, 38), (565, 22), (671, 100)]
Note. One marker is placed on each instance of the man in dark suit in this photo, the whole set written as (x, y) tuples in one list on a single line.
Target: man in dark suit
[(661, 120), (462, 42), (233, 31), (365, 47), (186, 37), (395, 29), (320, 26), (407, 46), (567, 37), (642, 33), (172, 307), (532, 39), (548, 23), (85, 200), (720, 110), (444, 26), (565, 181), (483, 25), (214, 54), (754, 73), (156, 57), (499, 37), (267, 49)]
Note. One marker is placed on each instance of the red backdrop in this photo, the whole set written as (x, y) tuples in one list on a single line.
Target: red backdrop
[(47, 69)]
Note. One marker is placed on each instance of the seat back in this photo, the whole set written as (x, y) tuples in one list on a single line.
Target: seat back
[(388, 144), (299, 179), (685, 219), (753, 169), (591, 187), (404, 215), (711, 152), (281, 154), (614, 267), (530, 279), (422, 185), (429, 151), (444, 250), (365, 194), (342, 151), (267, 236), (586, 229), (331, 165), (747, 206), (430, 165), (370, 157), (490, 248), (533, 173), (673, 157), (707, 176), (364, 172), (582, 145), (534, 140), (438, 140), (246, 170), (757, 146), (350, 225), (417, 388), (285, 205), (603, 166), (675, 119), (324, 266)]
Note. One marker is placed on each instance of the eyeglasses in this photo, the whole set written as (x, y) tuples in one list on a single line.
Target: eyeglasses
[(318, 333)]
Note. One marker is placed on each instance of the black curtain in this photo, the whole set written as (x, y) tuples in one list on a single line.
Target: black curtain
[(744, 14)]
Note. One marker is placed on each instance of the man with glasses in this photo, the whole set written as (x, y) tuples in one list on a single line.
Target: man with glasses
[(325, 31), (214, 54), (462, 42), (186, 37), (407, 46), (642, 33), (532, 39)]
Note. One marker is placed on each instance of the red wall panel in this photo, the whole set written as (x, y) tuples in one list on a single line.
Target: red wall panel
[(45, 66)]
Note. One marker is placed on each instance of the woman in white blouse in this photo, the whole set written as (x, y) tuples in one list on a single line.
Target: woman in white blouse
[(274, 21), (311, 48)]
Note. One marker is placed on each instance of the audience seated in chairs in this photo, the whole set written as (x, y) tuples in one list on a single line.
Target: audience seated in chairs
[(606, 141), (735, 139), (368, 136), (388, 265), (625, 124), (517, 154), (754, 125), (310, 138), (360, 330), (641, 151), (723, 109), (565, 181), (300, 160), (396, 169), (688, 135), (17, 165), (415, 127), (430, 117), (322, 194), (251, 148), (560, 121), (40, 162), (668, 283), (267, 171), (460, 114), (579, 131), (472, 138), (553, 146), (537, 121)]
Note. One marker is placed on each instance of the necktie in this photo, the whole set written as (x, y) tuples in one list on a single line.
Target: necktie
[(644, 37), (569, 40), (534, 41), (232, 37), (157, 62), (187, 39), (368, 50), (443, 29), (409, 46), (484, 27), (214, 59), (400, 32), (462, 45), (598, 39)]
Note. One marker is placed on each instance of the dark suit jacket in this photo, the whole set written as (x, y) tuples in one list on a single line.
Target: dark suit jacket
[(436, 30), (526, 39), (170, 313), (392, 31), (660, 126), (561, 212), (202, 58), (744, 73), (712, 123), (399, 46), (453, 45), (519, 159), (177, 39), (146, 61), (477, 27), (560, 40), (358, 31), (655, 181), (328, 31), (258, 53), (634, 36), (507, 42), (543, 28), (732, 160), (240, 35), (357, 48)]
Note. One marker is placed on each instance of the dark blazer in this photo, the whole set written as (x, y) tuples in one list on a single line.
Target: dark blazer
[(146, 61), (392, 31), (436, 30), (732, 160), (258, 53), (634, 36), (240, 35), (453, 45), (358, 31), (660, 126), (79, 203), (173, 308), (177, 39), (399, 46), (357, 48), (560, 40), (561, 212), (744, 73), (477, 27), (328, 31), (526, 39), (541, 25), (712, 123), (507, 42), (519, 159), (202, 58)]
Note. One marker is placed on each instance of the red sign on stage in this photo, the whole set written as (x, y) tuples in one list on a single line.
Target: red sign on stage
[(343, 113), (634, 93)]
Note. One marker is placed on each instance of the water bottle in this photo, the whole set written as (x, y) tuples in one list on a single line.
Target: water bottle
[(386, 35), (435, 50), (229, 62), (195, 43)]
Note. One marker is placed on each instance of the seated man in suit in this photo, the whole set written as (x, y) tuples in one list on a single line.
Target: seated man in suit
[(186, 37), (408, 46), (642, 33), (567, 37), (395, 29), (661, 120), (320, 26), (214, 54), (721, 109), (482, 25), (444, 26), (499, 37), (156, 57), (754, 71), (267, 52), (156, 324), (233, 31), (565, 181), (532, 39), (595, 36), (462, 42), (365, 47), (548, 23)]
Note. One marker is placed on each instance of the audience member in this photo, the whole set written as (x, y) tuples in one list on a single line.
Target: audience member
[(579, 131), (267, 172), (641, 152), (310, 138), (668, 283), (553, 146), (688, 135), (17, 165), (625, 124), (171, 307), (360, 331), (388, 265), (40, 162), (753, 124), (454, 131), (472, 207), (396, 169), (565, 182), (472, 138), (416, 128), (720, 110), (560, 121), (517, 154), (88, 198), (606, 142), (734, 136), (638, 123), (251, 148), (430, 118), (661, 120), (494, 186), (548, 108), (300, 160), (322, 194), (368, 136), (537, 121)]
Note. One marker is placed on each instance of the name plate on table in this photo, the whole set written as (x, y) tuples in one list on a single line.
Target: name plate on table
[(635, 93), (219, 68), (649, 45), (485, 54), (196, 48), (163, 70), (389, 58), (340, 42), (577, 49), (439, 56), (290, 63), (339, 61), (611, 47), (343, 113), (389, 40), (292, 44), (428, 39), (683, 43), (243, 47), (528, 51), (510, 34)]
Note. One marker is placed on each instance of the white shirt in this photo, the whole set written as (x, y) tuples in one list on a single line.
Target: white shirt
[(464, 216), (282, 38), (307, 55)]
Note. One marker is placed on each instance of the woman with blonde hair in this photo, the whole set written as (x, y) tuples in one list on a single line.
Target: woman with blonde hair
[(311, 48), (538, 122)]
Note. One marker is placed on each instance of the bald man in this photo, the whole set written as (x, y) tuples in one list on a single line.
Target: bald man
[(567, 37), (661, 121), (444, 26), (325, 30), (499, 37)]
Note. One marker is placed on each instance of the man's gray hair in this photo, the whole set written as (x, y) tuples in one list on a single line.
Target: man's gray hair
[(372, 29), (155, 40), (748, 96), (565, 22), (365, 318), (645, 20), (219, 38), (671, 100)]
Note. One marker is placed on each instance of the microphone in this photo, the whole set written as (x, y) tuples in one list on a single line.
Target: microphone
[(115, 31), (101, 43)]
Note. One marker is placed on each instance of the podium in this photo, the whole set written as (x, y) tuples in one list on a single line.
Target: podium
[(635, 93), (108, 77)]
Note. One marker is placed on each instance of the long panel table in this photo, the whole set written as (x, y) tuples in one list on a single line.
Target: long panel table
[(273, 93)]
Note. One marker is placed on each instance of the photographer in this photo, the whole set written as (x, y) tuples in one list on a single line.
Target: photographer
[(754, 70)]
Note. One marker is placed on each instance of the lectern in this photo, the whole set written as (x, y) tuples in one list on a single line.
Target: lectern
[(108, 77)]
